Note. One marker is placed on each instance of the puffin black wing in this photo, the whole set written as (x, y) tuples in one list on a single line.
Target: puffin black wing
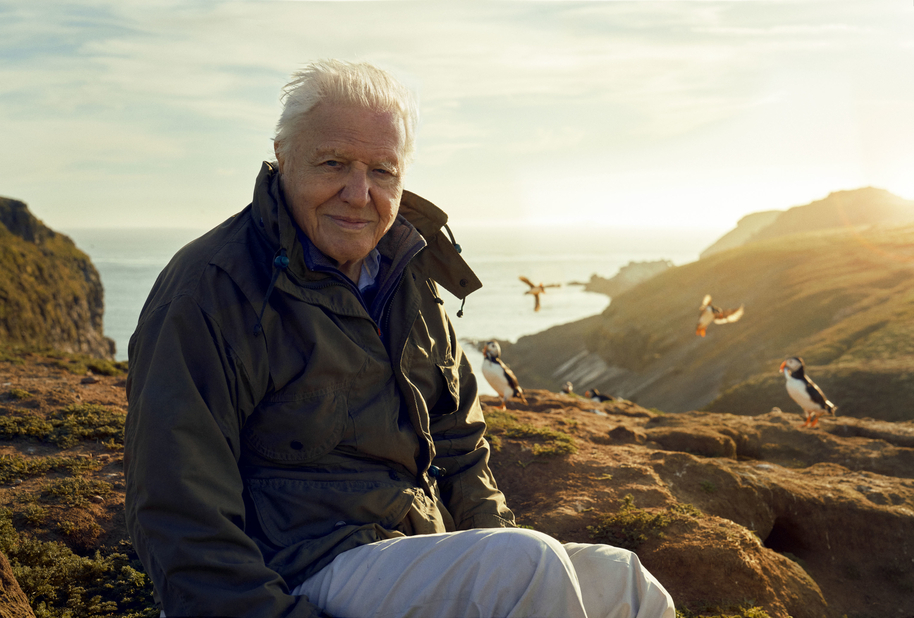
[(512, 380), (815, 393), (727, 316)]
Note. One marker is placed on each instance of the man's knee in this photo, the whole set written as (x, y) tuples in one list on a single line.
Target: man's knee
[(525, 549), (615, 583)]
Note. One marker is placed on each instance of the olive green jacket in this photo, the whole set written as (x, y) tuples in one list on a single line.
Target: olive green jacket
[(258, 448)]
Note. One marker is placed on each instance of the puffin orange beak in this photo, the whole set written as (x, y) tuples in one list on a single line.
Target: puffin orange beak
[(781, 368)]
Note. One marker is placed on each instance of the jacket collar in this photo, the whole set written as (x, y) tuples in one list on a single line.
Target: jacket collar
[(440, 258)]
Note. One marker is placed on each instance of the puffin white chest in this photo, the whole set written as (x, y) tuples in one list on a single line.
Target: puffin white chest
[(797, 391), (495, 376)]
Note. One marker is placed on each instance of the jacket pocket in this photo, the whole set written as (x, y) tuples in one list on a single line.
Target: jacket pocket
[(299, 430), (291, 511)]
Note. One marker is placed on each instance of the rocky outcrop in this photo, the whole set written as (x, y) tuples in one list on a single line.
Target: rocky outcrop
[(725, 508), (50, 293), (628, 277)]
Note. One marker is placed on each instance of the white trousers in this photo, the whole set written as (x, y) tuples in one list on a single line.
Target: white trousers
[(487, 573)]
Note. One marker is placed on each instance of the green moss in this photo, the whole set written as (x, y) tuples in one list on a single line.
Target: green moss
[(107, 368), (35, 515), (81, 363), (19, 394), (546, 442), (61, 584), (76, 491), (24, 426), (746, 610), (17, 467), (87, 422), (66, 427), (630, 526), (10, 355), (79, 530)]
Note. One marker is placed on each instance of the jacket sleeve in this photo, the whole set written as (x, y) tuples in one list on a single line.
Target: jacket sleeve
[(188, 395), (457, 426)]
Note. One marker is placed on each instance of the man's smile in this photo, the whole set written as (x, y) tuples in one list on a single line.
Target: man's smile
[(349, 223)]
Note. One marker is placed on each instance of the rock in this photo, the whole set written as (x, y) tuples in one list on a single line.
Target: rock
[(716, 555), (700, 442), (13, 602), (51, 292), (89, 380), (626, 434), (628, 277)]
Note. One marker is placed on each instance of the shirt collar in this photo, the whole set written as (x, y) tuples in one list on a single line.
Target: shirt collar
[(371, 265)]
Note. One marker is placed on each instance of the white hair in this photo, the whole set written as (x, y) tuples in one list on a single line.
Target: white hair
[(338, 81)]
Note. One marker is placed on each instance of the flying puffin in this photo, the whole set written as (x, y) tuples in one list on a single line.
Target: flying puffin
[(499, 375), (709, 313), (596, 395), (805, 392), (537, 289)]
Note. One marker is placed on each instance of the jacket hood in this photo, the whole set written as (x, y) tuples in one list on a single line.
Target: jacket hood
[(440, 259)]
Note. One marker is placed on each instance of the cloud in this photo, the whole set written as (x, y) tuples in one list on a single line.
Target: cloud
[(509, 90)]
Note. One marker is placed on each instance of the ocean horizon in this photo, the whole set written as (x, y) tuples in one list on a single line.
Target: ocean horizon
[(130, 259)]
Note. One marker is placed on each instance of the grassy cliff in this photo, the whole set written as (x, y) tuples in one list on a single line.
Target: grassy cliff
[(50, 293)]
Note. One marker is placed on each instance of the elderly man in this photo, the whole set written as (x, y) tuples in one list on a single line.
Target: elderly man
[(304, 436)]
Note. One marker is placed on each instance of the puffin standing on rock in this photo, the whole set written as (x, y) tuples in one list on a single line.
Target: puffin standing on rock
[(498, 375), (805, 392), (709, 313)]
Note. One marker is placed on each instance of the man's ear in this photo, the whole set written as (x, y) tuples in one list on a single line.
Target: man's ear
[(279, 158)]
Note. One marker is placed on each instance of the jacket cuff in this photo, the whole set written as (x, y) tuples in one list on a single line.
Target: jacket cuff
[(487, 521)]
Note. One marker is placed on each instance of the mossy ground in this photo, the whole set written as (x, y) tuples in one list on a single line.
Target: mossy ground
[(61, 487), (630, 526), (542, 441)]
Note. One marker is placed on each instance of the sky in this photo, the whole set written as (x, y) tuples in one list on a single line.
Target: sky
[(626, 114)]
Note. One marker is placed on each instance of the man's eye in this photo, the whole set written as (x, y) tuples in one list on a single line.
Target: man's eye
[(332, 163)]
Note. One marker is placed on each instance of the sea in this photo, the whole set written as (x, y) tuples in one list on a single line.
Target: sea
[(129, 260)]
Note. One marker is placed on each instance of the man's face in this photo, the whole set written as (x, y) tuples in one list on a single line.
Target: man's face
[(343, 180)]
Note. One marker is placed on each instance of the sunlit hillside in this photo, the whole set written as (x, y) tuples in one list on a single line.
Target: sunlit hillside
[(843, 299)]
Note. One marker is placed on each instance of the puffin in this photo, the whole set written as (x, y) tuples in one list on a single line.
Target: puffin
[(568, 388), (537, 289), (805, 392), (709, 313), (499, 375), (597, 396)]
